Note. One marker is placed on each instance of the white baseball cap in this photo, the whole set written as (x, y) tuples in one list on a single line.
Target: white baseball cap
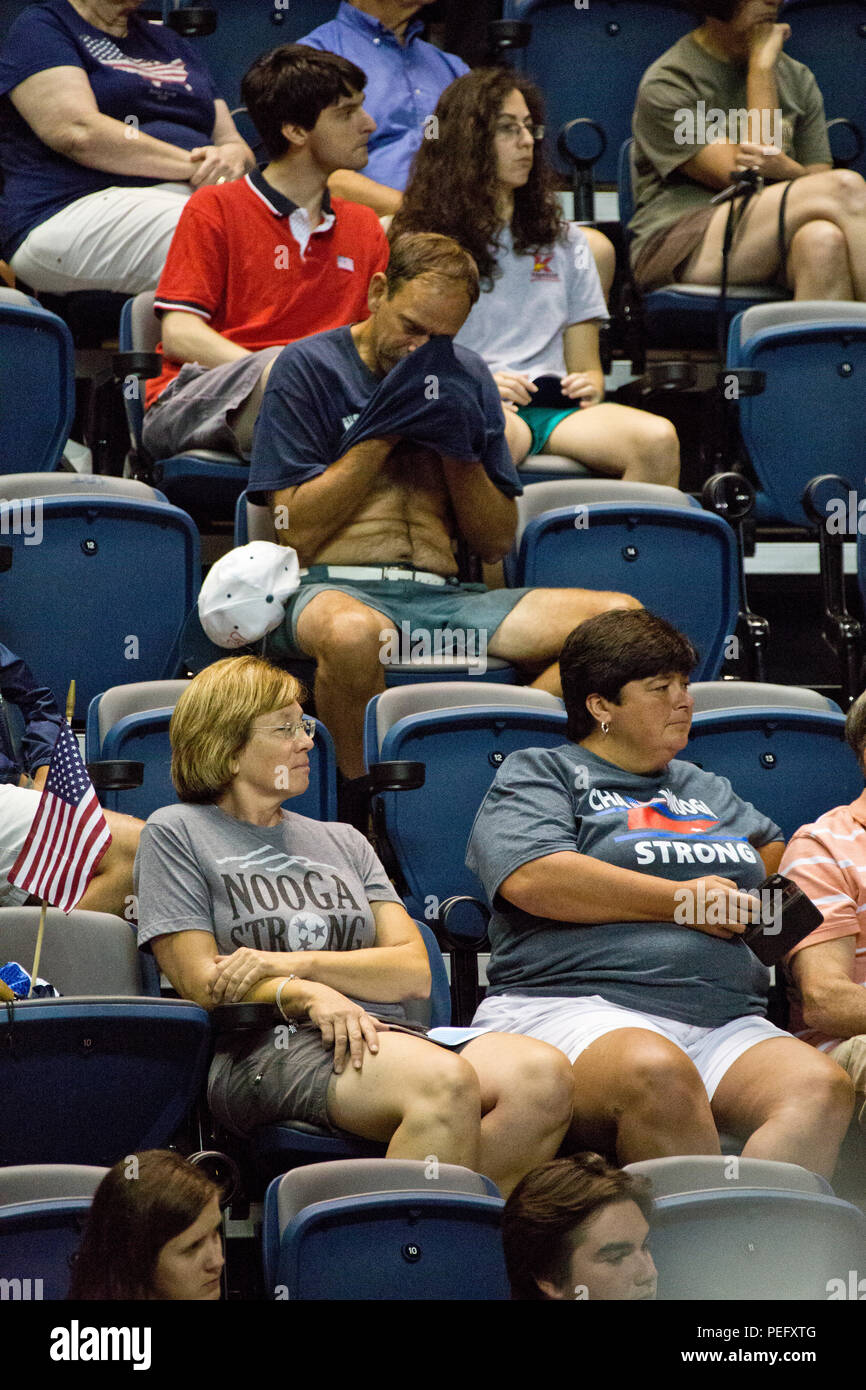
[(243, 597)]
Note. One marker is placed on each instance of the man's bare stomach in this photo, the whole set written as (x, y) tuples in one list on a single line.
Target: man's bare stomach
[(406, 520)]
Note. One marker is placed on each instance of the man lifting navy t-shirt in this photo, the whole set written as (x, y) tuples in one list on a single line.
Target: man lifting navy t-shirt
[(381, 447)]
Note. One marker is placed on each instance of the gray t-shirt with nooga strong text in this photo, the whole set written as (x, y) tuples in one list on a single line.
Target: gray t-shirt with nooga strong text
[(298, 886), (681, 823)]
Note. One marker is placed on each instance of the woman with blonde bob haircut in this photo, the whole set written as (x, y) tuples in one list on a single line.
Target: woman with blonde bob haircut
[(242, 900)]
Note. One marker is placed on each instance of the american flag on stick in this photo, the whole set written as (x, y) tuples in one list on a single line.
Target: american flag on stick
[(69, 834)]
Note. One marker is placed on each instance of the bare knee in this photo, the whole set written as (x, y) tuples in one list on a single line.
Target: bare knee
[(659, 1079), (825, 1092), (125, 833), (447, 1090), (849, 188), (541, 1077), (818, 243), (657, 448), (351, 637)]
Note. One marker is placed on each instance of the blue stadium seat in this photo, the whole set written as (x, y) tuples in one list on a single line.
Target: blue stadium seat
[(69, 1066), (201, 482), (755, 1244), (383, 1229), (681, 317), (275, 1149), (461, 732), (37, 374), (710, 1172), (589, 61), (813, 357), (43, 1210), (131, 722), (608, 534), (792, 763), (103, 595), (829, 36)]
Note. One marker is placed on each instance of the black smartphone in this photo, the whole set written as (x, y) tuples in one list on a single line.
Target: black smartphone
[(549, 394), (787, 916)]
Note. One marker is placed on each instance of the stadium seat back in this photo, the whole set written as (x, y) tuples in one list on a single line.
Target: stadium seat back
[(205, 482), (462, 746), (132, 722), (791, 764), (589, 60), (104, 594), (69, 1066), (43, 1209), (813, 355), (391, 1230), (830, 38), (626, 546), (37, 384), (755, 1244), (709, 1172)]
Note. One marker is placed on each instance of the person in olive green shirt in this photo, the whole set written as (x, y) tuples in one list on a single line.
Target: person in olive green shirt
[(724, 98)]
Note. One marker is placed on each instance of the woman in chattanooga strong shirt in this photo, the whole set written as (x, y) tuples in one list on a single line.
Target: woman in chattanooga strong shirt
[(243, 900), (619, 879)]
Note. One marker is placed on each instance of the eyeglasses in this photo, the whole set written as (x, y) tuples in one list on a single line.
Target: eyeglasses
[(305, 725), (512, 130)]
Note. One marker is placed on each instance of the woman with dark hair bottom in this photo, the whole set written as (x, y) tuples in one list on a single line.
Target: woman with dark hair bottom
[(154, 1232), (484, 182), (620, 882)]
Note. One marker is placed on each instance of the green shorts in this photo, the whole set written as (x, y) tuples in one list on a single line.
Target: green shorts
[(542, 421), (414, 609)]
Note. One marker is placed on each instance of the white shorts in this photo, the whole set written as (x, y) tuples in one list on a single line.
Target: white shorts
[(116, 239), (18, 806), (571, 1024)]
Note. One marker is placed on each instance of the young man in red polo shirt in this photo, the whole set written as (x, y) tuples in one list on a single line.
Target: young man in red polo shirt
[(268, 259)]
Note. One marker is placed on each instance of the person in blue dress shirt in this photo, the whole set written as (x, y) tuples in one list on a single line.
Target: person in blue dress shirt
[(405, 78)]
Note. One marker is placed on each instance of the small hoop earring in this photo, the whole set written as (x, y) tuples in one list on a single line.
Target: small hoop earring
[(605, 727)]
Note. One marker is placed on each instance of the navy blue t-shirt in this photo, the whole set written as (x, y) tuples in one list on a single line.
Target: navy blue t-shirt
[(152, 74), (319, 386)]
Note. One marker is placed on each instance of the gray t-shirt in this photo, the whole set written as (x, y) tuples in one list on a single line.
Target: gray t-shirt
[(681, 823), (681, 100), (518, 324), (298, 886)]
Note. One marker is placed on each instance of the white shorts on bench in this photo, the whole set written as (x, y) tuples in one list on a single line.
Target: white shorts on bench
[(115, 239), (572, 1023), (18, 807)]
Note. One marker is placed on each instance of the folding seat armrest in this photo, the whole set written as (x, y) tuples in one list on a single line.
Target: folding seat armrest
[(448, 932), (503, 35), (749, 382), (115, 774), (668, 376), (397, 776), (141, 364), (236, 1018)]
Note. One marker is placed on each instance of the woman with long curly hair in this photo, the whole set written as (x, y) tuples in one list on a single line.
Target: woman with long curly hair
[(483, 180)]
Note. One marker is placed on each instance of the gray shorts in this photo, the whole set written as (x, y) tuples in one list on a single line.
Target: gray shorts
[(275, 1077), (423, 608), (264, 1078), (192, 412)]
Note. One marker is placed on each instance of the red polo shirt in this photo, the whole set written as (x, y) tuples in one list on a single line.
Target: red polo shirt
[(246, 260)]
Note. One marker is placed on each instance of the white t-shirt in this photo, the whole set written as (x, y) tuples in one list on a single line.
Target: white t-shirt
[(518, 325)]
